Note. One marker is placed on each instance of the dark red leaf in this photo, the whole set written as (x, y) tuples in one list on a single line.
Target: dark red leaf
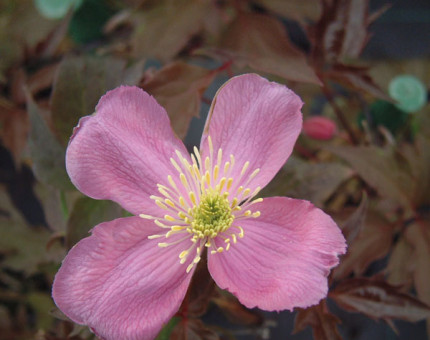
[(418, 235), (373, 241), (378, 299), (236, 312), (342, 30), (354, 224), (260, 42), (192, 329), (178, 87), (200, 292), (357, 78), (323, 323)]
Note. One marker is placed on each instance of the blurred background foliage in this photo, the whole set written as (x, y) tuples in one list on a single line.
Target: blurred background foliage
[(364, 155)]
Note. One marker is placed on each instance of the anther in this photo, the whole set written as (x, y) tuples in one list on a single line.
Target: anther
[(147, 217), (246, 192), (151, 237), (207, 163), (229, 183), (226, 167), (177, 167), (184, 181), (192, 197), (222, 183), (219, 157), (161, 225), (241, 234), (256, 214), (169, 218), (216, 171), (182, 215), (170, 203), (161, 205), (245, 167)]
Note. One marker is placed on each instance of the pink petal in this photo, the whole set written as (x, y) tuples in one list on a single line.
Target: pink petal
[(284, 258), (120, 283), (257, 121), (122, 152)]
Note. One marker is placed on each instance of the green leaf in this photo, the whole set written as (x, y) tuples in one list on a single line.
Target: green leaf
[(167, 329), (41, 303), (23, 247), (79, 84), (86, 214), (46, 152)]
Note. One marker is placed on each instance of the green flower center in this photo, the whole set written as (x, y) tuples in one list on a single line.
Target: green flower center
[(212, 216)]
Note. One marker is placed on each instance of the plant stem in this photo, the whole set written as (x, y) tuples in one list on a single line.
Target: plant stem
[(339, 114)]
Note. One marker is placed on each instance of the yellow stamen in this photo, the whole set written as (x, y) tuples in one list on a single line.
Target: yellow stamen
[(245, 167), (169, 218), (216, 171), (192, 196), (161, 205), (204, 201), (229, 183)]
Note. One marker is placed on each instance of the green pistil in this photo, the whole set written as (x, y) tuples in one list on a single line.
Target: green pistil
[(212, 216)]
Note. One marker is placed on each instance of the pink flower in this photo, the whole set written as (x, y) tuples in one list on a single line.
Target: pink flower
[(130, 276), (319, 128)]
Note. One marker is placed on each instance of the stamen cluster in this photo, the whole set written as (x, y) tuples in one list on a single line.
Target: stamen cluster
[(200, 206), (212, 216)]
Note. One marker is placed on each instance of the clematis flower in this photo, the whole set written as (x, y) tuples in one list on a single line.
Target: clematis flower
[(129, 277)]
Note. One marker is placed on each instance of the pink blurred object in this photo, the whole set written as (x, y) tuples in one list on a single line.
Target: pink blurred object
[(319, 128)]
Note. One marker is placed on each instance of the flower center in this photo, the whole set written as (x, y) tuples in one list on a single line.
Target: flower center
[(204, 203), (212, 216)]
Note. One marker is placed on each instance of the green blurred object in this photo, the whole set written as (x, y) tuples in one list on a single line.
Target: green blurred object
[(386, 114), (168, 329), (88, 21), (56, 9), (409, 92)]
